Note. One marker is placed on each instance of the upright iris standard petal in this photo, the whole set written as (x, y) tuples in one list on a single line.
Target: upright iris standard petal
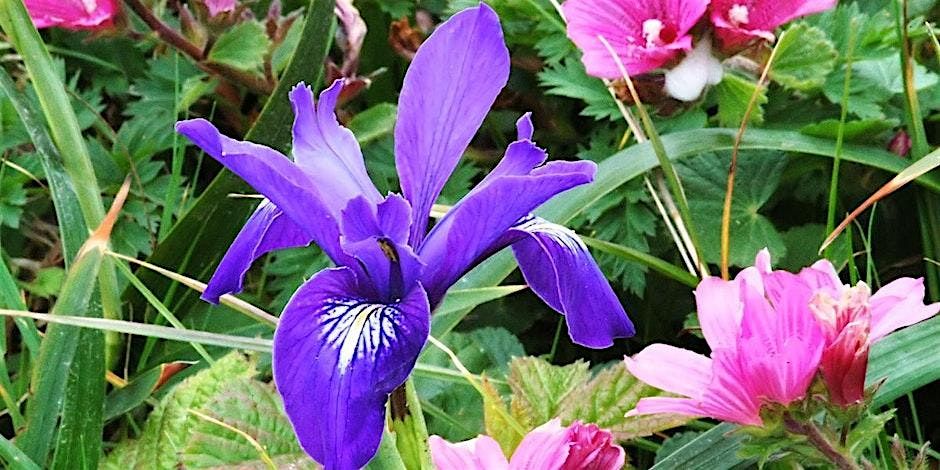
[(337, 355), (273, 175), (448, 89), (472, 230), (328, 152), (559, 268), (268, 229)]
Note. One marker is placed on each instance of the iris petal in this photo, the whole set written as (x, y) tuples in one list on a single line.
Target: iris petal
[(448, 89), (273, 175), (473, 230), (268, 229), (559, 268), (328, 152), (337, 356)]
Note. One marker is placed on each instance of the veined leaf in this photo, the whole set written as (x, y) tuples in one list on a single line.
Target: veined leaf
[(715, 449), (805, 56), (539, 389), (242, 47), (734, 95)]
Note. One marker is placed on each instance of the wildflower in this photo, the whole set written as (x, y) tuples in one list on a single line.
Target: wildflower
[(217, 7), (645, 35), (350, 335), (740, 22), (72, 14), (766, 347), (900, 144), (852, 319), (547, 447)]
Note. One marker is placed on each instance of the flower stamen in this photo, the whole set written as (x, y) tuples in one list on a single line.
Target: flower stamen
[(738, 15)]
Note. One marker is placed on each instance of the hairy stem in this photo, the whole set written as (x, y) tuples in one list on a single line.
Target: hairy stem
[(817, 439), (175, 39)]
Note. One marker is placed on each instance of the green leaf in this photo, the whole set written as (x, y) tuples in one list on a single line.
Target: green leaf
[(373, 123), (13, 457), (715, 449), (458, 300), (540, 388), (496, 424), (242, 47), (855, 131), (907, 359), (633, 161), (55, 364), (121, 400), (411, 431), (803, 244), (254, 408), (170, 426), (758, 173), (866, 431), (459, 408), (604, 398), (569, 79), (79, 442), (734, 95), (805, 56), (190, 246)]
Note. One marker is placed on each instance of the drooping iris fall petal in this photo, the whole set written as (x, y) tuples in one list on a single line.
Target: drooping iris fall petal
[(644, 34)]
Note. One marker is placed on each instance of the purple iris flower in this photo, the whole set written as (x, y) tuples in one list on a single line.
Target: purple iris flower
[(351, 334)]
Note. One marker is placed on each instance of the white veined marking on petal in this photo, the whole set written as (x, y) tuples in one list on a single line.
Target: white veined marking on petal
[(560, 233), (738, 15), (651, 30), (358, 329)]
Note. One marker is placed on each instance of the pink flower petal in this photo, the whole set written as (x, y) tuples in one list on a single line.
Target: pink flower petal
[(672, 369), (739, 22), (217, 7), (898, 304), (480, 453), (72, 14), (719, 311), (544, 448), (645, 35)]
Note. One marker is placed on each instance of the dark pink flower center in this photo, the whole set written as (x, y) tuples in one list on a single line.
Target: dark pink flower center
[(657, 33)]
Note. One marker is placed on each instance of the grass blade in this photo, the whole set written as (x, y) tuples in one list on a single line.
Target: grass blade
[(656, 264)]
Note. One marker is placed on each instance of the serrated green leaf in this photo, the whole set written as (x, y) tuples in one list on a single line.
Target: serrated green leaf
[(865, 431), (569, 79), (169, 427), (242, 47), (495, 423), (758, 174), (539, 389), (605, 398), (254, 408), (734, 95), (805, 56)]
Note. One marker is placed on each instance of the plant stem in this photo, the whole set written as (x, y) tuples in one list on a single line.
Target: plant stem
[(818, 440), (840, 137), (733, 167), (173, 38)]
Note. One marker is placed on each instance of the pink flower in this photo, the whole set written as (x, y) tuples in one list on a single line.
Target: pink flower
[(739, 22), (72, 14), (217, 7), (766, 347), (900, 144), (852, 320), (547, 447), (645, 34)]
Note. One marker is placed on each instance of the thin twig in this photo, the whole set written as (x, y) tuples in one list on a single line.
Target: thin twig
[(175, 39), (729, 191), (820, 442)]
